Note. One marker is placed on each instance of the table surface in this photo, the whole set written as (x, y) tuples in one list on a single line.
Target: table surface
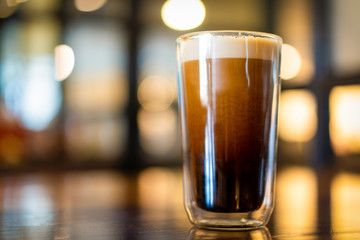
[(147, 204)]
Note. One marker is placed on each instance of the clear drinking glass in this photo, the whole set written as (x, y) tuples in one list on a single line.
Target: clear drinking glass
[(228, 90)]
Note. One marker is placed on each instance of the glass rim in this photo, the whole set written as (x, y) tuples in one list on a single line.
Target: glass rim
[(234, 33)]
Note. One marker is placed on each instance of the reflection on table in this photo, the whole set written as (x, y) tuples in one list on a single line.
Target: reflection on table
[(207, 234), (147, 204)]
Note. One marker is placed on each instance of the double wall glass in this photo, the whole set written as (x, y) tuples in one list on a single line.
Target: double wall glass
[(228, 99)]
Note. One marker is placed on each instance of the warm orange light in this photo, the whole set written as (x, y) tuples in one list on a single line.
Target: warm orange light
[(88, 94), (345, 119), (296, 199), (297, 116), (155, 93), (95, 189), (290, 62), (160, 189), (89, 5), (157, 131), (11, 149), (345, 198), (183, 14)]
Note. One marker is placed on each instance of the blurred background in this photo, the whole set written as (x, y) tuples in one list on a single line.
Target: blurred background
[(91, 84)]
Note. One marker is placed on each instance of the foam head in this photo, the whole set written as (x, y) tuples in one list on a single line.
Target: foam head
[(206, 45)]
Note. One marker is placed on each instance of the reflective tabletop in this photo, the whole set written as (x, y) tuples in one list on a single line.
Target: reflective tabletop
[(147, 204)]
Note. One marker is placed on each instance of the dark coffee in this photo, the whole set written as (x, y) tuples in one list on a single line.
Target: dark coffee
[(228, 117)]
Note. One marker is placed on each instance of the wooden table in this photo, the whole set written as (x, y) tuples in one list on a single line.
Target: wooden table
[(147, 204)]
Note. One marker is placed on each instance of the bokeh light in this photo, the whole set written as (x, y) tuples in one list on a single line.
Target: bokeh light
[(157, 131), (104, 93), (35, 199), (160, 189), (297, 116), (42, 96), (345, 198), (28, 87), (34, 96), (290, 62), (99, 82), (155, 93), (64, 62), (296, 199), (89, 5), (183, 14), (345, 119), (93, 189)]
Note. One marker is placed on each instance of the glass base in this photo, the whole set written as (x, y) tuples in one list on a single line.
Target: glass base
[(228, 221), (221, 224)]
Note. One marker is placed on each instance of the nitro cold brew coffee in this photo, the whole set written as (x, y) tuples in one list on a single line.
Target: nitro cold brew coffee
[(228, 100)]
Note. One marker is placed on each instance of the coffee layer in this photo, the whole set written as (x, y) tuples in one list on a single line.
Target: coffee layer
[(228, 115)]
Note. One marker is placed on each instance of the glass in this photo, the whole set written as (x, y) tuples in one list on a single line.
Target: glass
[(228, 101)]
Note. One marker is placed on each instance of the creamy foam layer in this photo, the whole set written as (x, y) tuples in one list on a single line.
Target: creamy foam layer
[(223, 46)]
